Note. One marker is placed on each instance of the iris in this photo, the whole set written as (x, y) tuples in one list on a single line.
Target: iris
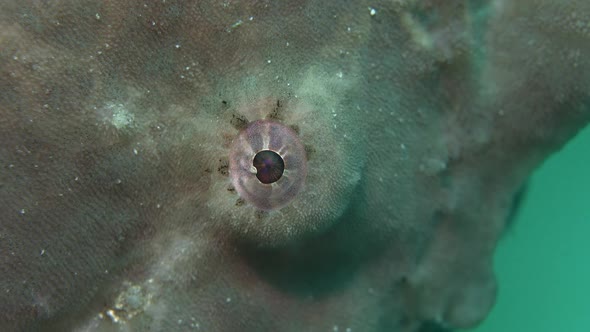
[(269, 166)]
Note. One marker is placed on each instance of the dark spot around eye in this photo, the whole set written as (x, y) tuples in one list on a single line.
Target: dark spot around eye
[(238, 121), (269, 166), (240, 202), (295, 129), (231, 189), (223, 167), (224, 102), (275, 113), (309, 151), (260, 214)]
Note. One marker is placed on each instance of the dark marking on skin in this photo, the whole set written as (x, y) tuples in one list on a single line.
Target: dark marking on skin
[(240, 202), (275, 114), (238, 121), (309, 152), (260, 214), (223, 168), (296, 129)]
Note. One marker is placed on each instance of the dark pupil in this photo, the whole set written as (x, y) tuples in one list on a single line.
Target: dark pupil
[(269, 166)]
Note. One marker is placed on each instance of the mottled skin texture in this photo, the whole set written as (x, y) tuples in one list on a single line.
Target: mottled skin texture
[(420, 122)]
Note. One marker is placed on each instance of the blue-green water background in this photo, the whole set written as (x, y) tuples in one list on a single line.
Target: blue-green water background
[(543, 263)]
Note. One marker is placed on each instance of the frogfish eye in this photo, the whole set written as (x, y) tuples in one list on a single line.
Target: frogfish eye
[(267, 164)]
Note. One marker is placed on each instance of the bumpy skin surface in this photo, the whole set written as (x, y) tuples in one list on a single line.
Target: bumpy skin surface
[(421, 119)]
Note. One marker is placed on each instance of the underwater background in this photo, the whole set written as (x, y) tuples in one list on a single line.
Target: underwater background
[(542, 263)]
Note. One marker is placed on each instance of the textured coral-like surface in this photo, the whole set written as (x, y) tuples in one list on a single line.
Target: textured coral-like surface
[(420, 121)]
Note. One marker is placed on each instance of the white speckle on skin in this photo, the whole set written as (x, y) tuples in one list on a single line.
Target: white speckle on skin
[(97, 15), (432, 166), (113, 316), (228, 300), (22, 211), (120, 116), (237, 24), (42, 252), (372, 11)]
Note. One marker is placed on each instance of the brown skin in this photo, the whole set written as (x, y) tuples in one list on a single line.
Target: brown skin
[(420, 124)]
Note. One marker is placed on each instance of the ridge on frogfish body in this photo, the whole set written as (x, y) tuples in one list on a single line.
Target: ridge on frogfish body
[(272, 166)]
